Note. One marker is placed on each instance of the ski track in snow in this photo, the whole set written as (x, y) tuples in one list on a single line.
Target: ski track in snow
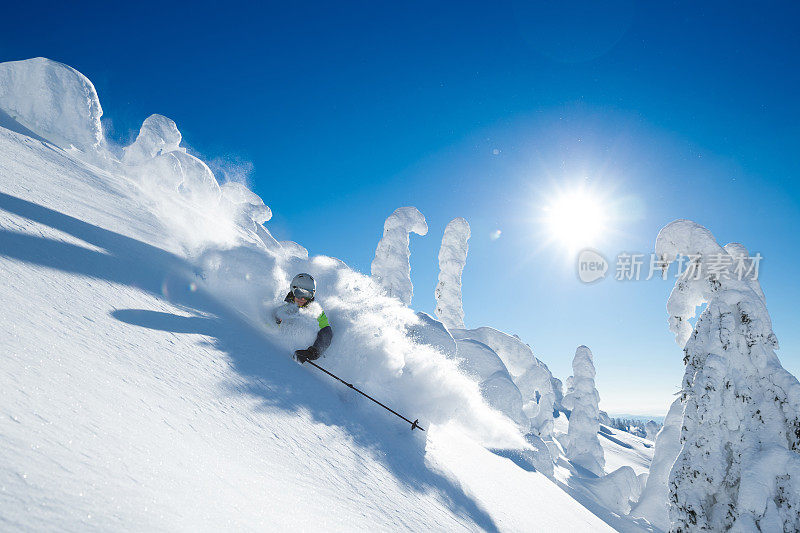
[(132, 399)]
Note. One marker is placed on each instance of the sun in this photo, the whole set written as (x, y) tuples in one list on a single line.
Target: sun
[(575, 218)]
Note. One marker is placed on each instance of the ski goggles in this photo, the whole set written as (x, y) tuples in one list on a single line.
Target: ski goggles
[(302, 293)]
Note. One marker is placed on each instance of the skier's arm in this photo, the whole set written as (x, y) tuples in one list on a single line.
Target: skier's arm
[(274, 314), (324, 335)]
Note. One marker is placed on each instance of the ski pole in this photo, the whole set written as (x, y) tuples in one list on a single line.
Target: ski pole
[(414, 424)]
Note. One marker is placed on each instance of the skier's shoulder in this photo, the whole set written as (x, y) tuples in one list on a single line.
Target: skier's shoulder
[(315, 309)]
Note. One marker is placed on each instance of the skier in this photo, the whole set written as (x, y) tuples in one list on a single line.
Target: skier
[(300, 302)]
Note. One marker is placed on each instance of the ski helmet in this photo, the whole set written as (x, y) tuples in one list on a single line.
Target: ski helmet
[(304, 286)]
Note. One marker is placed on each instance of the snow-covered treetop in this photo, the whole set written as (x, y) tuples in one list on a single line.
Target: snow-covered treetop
[(408, 219), (53, 101), (158, 135), (697, 285), (391, 266), (249, 202), (452, 258), (583, 364), (516, 355)]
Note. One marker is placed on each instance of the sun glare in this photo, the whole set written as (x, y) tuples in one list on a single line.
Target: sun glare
[(575, 218)]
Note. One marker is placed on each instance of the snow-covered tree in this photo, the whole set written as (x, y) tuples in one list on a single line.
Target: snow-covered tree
[(158, 135), (558, 390), (651, 430), (568, 390), (537, 392), (161, 165), (392, 264), (52, 100), (739, 464), (452, 258), (582, 446)]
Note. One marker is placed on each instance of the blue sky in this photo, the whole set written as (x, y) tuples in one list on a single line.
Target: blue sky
[(341, 113)]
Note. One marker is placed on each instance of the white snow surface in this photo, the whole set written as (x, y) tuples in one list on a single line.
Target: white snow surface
[(452, 259), (391, 267), (612, 494), (620, 448), (143, 385)]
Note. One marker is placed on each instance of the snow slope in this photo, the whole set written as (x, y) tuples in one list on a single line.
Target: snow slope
[(619, 447), (141, 388)]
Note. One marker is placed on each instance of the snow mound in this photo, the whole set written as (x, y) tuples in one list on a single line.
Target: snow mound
[(292, 249), (392, 264), (483, 364), (452, 259), (188, 199), (163, 167), (531, 376), (516, 355), (536, 387), (433, 333), (53, 101), (616, 489)]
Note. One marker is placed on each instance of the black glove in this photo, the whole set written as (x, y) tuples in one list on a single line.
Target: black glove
[(309, 354)]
